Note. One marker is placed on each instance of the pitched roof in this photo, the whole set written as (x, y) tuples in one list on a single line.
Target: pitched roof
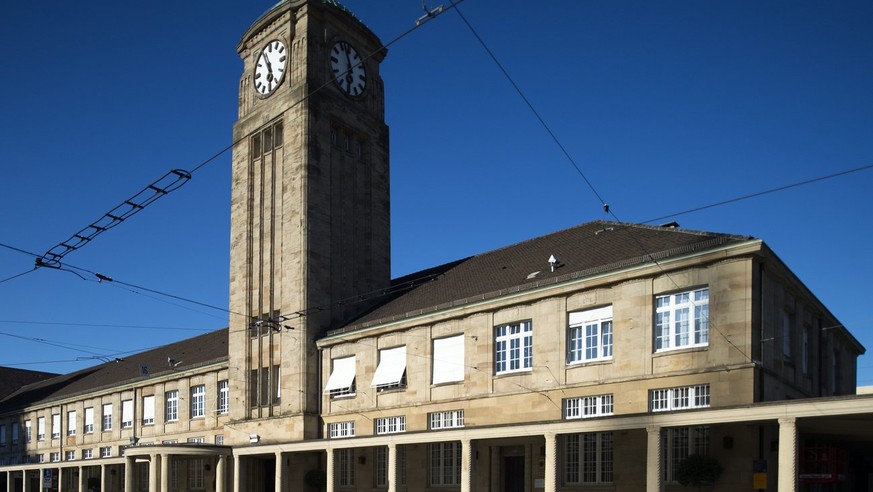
[(584, 250), (12, 379), (186, 354)]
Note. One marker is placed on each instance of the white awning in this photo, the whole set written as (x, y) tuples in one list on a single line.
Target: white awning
[(448, 359), (592, 315), (343, 375), (392, 365)]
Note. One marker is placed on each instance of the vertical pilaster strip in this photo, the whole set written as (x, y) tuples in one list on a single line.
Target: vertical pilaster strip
[(392, 467), (329, 471), (103, 477), (9, 479), (60, 477), (787, 455), (466, 465), (220, 474), (82, 479), (653, 459), (551, 471), (41, 480), (24, 483), (129, 473)]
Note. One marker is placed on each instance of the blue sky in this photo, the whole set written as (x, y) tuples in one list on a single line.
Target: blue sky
[(665, 106)]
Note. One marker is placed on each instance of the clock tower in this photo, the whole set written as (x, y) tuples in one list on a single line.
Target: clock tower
[(309, 209)]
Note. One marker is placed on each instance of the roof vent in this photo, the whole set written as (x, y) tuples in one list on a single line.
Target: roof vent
[(670, 225), (533, 275), (553, 262)]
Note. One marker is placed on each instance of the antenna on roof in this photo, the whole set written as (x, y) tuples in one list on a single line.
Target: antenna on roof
[(553, 262)]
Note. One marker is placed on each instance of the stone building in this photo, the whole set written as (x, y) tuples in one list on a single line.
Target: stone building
[(599, 357)]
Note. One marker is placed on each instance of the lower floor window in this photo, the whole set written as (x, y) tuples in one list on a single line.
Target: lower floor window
[(381, 467), (588, 458), (679, 443), (445, 463), (195, 474), (345, 466)]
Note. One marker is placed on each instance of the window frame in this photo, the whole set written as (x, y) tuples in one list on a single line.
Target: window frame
[(223, 403), (390, 425), (444, 464), (341, 430), (584, 407), (680, 398), (580, 339), (171, 406), (589, 458), (677, 443), (198, 401), (688, 330), (513, 347), (106, 417), (449, 419)]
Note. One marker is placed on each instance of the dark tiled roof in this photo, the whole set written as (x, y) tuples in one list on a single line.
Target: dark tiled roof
[(187, 354), (11, 379), (583, 250)]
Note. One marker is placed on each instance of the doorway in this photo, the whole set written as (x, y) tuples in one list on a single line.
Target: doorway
[(513, 474)]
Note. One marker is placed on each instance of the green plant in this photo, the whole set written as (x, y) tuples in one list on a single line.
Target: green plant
[(698, 470)]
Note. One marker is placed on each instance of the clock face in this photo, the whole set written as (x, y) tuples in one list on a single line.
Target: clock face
[(270, 68), (348, 69)]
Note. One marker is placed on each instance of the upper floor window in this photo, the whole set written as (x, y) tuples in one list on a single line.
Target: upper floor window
[(106, 452), (198, 401), (590, 335), (56, 426), (28, 431), (89, 420), (171, 410), (107, 417), (223, 396), (681, 398), (513, 347), (674, 315), (391, 373), (127, 414), (3, 435), (15, 433), (342, 379), (787, 328), (448, 359), (148, 410), (40, 429), (72, 423), (588, 406)]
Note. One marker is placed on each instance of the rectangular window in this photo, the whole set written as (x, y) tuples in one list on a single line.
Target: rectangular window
[(674, 314), (148, 410), (513, 347), (72, 423), (106, 452), (195, 474), (171, 410), (40, 429), (451, 419), (588, 406), (3, 435), (219, 440), (589, 337), (391, 372), (345, 467), (107, 417), (87, 454), (391, 425), (15, 433), (787, 328), (223, 396), (196, 440), (680, 442), (338, 430), (127, 414), (70, 456), (198, 401), (380, 468), (28, 430), (445, 464), (342, 379), (448, 359), (588, 458), (804, 342), (55, 457), (56, 425), (681, 398), (89, 420)]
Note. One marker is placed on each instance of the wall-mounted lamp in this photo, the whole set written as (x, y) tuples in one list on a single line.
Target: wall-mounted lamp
[(133, 440), (362, 460), (253, 438)]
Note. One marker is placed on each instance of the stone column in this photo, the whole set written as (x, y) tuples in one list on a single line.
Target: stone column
[(165, 472), (280, 472), (60, 477), (220, 474), (392, 468), (129, 473), (41, 480), (25, 485), (154, 470), (466, 465), (653, 459), (329, 471), (237, 474), (9, 479), (551, 472), (82, 484), (102, 478), (787, 455)]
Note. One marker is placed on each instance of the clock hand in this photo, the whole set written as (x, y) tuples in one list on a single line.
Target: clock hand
[(269, 67)]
